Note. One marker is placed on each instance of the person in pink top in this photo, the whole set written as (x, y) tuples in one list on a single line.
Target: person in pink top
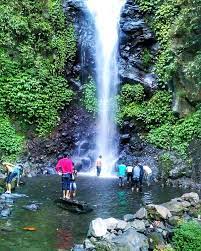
[(65, 168)]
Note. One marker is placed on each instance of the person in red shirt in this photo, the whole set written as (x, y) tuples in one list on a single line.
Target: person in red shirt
[(65, 168)]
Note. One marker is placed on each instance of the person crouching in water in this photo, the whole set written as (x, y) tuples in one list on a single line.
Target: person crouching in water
[(121, 168), (136, 178), (73, 185), (12, 172), (64, 167)]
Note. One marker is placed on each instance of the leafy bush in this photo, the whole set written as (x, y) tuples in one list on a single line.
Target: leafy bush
[(89, 98), (158, 109), (36, 43), (11, 144), (131, 93), (165, 165), (177, 136), (187, 237), (146, 58)]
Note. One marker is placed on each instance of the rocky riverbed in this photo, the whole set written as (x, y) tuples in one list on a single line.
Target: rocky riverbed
[(149, 228)]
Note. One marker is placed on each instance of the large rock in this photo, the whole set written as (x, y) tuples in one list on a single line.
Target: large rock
[(138, 225), (111, 223), (191, 197), (141, 213), (121, 225), (158, 212), (176, 205), (129, 217), (131, 240), (97, 228)]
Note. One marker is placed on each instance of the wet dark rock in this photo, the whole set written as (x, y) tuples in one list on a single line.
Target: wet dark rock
[(32, 207), (5, 212)]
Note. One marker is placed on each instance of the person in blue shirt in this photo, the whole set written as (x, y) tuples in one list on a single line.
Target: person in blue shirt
[(121, 168), (136, 178)]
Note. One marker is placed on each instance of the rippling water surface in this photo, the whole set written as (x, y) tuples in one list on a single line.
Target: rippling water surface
[(59, 229)]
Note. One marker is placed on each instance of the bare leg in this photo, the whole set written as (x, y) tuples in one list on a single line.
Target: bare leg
[(9, 187), (64, 194), (67, 194)]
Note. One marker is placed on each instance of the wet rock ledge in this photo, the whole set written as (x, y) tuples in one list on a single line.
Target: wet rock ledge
[(150, 228)]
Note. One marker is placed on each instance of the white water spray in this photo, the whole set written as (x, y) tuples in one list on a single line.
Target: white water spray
[(106, 16)]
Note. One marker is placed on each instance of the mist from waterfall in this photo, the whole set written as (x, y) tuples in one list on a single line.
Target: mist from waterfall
[(106, 16)]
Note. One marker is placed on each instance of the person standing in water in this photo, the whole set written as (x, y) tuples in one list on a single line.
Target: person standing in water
[(73, 185), (121, 173), (147, 174), (65, 168), (129, 174), (136, 178), (99, 165)]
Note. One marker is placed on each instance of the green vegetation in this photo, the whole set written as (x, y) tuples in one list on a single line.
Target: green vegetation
[(165, 165), (36, 44), (11, 144), (89, 98), (177, 26), (146, 58), (187, 237), (156, 117)]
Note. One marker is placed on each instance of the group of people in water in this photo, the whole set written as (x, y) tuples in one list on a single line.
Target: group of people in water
[(133, 174)]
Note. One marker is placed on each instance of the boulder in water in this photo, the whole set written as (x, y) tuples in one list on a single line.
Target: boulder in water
[(158, 212), (97, 228), (5, 212), (32, 207)]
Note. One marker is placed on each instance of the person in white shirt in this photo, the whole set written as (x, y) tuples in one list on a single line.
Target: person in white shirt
[(148, 173), (129, 170)]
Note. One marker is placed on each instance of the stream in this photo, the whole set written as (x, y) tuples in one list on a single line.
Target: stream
[(58, 229)]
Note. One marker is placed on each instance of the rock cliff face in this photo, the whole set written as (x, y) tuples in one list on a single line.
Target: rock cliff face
[(134, 36)]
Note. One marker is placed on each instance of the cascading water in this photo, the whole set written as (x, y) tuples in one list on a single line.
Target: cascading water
[(106, 16)]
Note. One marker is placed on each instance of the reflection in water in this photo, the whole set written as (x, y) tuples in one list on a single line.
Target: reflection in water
[(64, 239), (58, 229), (121, 198)]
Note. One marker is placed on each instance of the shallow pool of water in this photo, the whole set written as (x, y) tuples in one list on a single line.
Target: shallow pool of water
[(60, 229)]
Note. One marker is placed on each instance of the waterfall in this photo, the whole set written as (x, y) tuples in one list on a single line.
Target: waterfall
[(106, 16)]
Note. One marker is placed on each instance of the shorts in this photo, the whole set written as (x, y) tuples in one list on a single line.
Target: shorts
[(10, 177), (65, 183), (135, 182), (73, 186)]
